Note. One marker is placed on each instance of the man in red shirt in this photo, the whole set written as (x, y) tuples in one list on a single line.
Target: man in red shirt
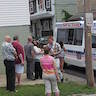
[(20, 60)]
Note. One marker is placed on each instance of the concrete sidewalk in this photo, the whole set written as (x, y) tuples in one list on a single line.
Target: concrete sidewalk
[(25, 81)]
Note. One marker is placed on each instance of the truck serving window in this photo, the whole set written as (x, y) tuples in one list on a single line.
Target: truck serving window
[(93, 41), (70, 36)]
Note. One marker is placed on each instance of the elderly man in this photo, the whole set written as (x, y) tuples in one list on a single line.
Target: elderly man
[(9, 55), (29, 53)]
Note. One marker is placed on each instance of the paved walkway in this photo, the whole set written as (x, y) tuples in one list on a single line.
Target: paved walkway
[(24, 81)]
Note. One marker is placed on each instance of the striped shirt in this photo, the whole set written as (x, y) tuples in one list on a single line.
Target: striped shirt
[(54, 48)]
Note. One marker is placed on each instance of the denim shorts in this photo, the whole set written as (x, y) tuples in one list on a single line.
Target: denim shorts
[(19, 68)]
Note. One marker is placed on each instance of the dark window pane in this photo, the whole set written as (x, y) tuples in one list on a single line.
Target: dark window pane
[(93, 41), (70, 36)]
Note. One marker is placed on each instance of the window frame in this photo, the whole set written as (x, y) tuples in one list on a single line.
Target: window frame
[(73, 40)]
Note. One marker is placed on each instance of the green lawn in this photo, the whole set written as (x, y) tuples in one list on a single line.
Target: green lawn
[(66, 89)]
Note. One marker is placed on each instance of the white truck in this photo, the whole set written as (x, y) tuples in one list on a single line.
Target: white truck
[(73, 36)]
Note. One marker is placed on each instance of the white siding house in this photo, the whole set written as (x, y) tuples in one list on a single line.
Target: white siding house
[(14, 20), (14, 12)]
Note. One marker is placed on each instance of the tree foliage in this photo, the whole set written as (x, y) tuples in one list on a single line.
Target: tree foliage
[(67, 15)]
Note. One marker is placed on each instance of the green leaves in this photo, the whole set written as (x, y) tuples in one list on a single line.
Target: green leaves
[(67, 15)]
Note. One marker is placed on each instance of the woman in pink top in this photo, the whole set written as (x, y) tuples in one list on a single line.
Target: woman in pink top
[(50, 74)]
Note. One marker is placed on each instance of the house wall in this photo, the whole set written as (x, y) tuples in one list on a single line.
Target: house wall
[(14, 20), (80, 5), (22, 31)]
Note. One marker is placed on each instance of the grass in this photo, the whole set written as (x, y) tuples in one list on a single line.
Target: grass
[(66, 89)]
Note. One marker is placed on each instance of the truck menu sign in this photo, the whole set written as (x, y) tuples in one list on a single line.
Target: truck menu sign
[(69, 25)]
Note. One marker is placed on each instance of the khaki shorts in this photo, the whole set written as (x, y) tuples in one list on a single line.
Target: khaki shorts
[(50, 80)]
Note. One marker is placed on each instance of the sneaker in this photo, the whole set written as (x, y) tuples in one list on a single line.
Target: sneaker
[(16, 90)]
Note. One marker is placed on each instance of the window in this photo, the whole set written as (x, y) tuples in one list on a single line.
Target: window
[(78, 36), (46, 24), (70, 36), (46, 27), (41, 5), (48, 5), (93, 41), (32, 6)]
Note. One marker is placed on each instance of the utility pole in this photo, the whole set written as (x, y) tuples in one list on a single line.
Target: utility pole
[(88, 21)]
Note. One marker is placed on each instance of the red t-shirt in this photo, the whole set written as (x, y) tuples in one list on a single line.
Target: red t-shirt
[(19, 49)]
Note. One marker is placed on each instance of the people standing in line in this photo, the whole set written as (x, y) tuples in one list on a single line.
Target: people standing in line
[(9, 55), (55, 50), (19, 62), (50, 74), (29, 52), (38, 55), (62, 55)]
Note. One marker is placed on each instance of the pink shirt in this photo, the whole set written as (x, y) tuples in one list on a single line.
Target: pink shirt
[(47, 64)]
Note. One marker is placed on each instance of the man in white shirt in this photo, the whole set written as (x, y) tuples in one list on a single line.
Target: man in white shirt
[(9, 55), (55, 50)]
